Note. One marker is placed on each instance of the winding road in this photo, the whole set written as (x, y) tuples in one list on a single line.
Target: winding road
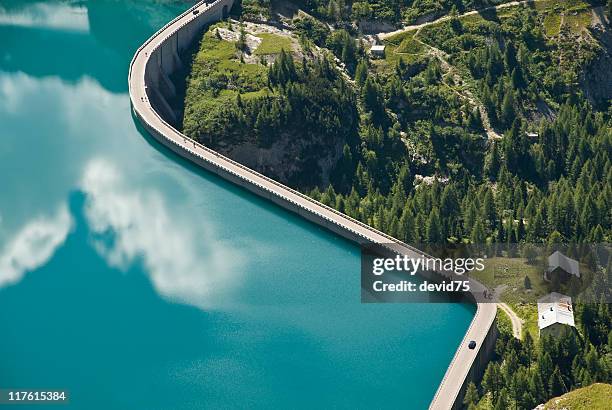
[(517, 322)]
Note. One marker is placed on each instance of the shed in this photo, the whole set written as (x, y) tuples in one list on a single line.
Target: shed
[(555, 314), (378, 51), (561, 266)]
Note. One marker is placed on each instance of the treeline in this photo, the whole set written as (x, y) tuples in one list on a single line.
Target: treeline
[(348, 11), (543, 181), (556, 187), (339, 11), (524, 374)]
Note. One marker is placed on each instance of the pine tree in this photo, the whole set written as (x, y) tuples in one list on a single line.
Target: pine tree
[(239, 101), (510, 57), (332, 10), (519, 231), (471, 396), (555, 238), (528, 346), (556, 386), (545, 364), (406, 226), (508, 115), (373, 99), (469, 217), (488, 208), (517, 78), (434, 228), (478, 233), (502, 403), (535, 227), (491, 381), (492, 162), (241, 44), (536, 386), (361, 72), (593, 365), (455, 23)]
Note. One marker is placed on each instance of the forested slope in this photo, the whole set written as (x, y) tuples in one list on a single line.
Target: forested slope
[(472, 129)]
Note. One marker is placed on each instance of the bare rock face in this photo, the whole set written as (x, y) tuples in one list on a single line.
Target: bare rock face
[(289, 160), (375, 26), (597, 78)]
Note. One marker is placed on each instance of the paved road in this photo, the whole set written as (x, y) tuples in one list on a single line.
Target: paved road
[(485, 314), (517, 322), (384, 35)]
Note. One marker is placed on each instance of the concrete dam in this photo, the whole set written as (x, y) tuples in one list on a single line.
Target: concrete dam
[(151, 92)]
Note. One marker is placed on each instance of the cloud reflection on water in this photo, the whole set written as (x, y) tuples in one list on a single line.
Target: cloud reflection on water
[(50, 16), (185, 261), (33, 245), (139, 206)]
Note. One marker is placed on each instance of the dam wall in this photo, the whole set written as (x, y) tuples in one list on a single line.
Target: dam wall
[(452, 389), (167, 58), (153, 93)]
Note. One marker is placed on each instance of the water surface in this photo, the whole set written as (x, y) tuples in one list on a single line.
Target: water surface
[(135, 280)]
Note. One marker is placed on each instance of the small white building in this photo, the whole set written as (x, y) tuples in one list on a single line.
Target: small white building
[(561, 266), (378, 51), (555, 314)]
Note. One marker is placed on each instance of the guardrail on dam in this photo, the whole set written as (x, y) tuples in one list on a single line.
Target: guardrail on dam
[(150, 90)]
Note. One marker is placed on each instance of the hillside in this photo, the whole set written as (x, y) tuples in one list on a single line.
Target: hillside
[(594, 397), (258, 95), (475, 127), (366, 13)]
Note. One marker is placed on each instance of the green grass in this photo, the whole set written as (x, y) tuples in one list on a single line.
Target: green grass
[(552, 24), (273, 44), (559, 4), (511, 272), (577, 14), (217, 77), (580, 21), (391, 58), (410, 46), (504, 324), (593, 397), (214, 49), (252, 95), (218, 59), (529, 313), (396, 39), (410, 54), (405, 45)]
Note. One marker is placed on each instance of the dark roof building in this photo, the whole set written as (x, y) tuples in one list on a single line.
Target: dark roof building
[(560, 264)]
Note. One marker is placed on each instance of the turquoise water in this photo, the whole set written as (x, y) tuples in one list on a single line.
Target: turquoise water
[(136, 281)]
